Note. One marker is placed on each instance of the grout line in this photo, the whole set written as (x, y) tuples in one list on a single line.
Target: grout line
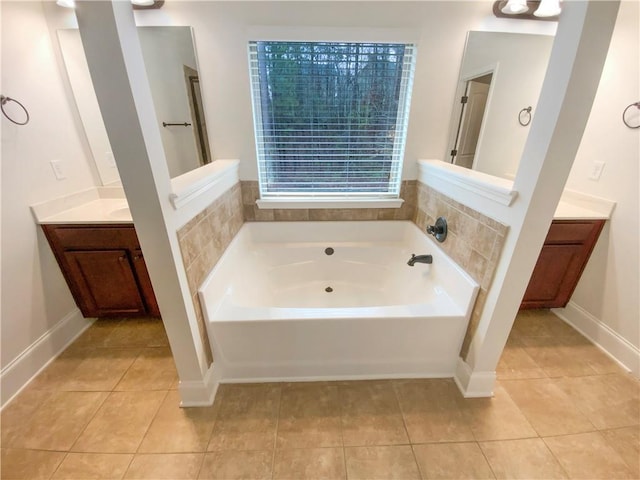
[(275, 434)]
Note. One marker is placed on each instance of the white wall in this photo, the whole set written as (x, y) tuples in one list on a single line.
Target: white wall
[(608, 292), (165, 51), (518, 63), (35, 297), (222, 29)]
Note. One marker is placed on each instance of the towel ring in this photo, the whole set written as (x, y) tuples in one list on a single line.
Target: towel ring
[(624, 113), (527, 116), (4, 100)]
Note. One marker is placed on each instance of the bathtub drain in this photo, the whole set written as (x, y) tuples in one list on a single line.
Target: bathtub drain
[(328, 289), (328, 251)]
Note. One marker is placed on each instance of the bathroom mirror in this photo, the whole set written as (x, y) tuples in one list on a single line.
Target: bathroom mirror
[(170, 60), (500, 78)]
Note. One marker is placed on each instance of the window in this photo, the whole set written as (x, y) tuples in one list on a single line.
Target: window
[(330, 118)]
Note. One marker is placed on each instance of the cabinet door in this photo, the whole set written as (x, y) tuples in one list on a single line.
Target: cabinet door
[(105, 282), (554, 276), (145, 283)]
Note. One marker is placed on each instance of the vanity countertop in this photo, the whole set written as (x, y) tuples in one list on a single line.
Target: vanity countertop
[(569, 211), (83, 210)]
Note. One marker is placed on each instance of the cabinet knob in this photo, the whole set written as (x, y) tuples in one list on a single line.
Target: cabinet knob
[(137, 257), (122, 258)]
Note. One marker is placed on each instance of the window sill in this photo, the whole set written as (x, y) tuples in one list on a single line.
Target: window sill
[(294, 203)]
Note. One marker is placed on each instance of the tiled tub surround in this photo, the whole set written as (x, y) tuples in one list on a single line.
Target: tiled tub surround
[(251, 193), (203, 241), (474, 241)]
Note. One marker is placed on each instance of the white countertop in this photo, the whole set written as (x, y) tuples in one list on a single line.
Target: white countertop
[(110, 206)]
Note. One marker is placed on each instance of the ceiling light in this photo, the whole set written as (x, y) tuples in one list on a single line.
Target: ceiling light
[(143, 3), (548, 8), (514, 7), (66, 3)]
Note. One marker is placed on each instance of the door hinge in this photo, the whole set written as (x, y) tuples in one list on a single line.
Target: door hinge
[(464, 99), (454, 153)]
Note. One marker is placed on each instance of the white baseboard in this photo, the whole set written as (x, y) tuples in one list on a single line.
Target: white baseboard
[(609, 341), (21, 370), (200, 393), (473, 384)]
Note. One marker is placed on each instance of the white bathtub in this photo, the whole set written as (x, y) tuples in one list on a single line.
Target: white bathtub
[(269, 316)]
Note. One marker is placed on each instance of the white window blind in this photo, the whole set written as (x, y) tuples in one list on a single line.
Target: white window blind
[(330, 118)]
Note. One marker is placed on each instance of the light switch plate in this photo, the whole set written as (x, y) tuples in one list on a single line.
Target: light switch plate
[(596, 170), (58, 171)]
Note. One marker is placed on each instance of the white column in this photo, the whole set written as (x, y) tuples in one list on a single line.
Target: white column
[(117, 70), (577, 58)]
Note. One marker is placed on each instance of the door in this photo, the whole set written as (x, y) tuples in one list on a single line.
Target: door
[(473, 108), (106, 283), (145, 283)]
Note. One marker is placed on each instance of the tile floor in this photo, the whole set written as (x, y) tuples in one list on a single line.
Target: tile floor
[(108, 408)]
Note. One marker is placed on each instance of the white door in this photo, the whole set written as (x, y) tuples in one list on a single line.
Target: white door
[(472, 114)]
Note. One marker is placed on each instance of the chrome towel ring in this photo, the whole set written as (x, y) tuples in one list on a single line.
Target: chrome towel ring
[(4, 100), (624, 115)]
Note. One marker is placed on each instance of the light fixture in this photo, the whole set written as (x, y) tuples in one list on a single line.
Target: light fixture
[(548, 8), (514, 7), (137, 4)]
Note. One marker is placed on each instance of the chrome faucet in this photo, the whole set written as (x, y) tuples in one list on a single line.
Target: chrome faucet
[(419, 259)]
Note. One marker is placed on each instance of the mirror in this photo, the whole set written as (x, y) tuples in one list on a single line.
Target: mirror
[(500, 78), (171, 65)]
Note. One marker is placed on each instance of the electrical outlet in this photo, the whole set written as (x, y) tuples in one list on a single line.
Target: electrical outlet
[(58, 171), (108, 157), (596, 170)]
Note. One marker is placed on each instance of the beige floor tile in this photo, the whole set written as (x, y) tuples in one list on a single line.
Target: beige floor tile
[(309, 416), (16, 464), (432, 412), (166, 466), (384, 463), (547, 407), (608, 401), (541, 323), (515, 363), (371, 414), (526, 459), (626, 443), (247, 417), (154, 369), (58, 422), (100, 369), (85, 466), (120, 423), (309, 464), (558, 356), (175, 429), (138, 332), (96, 334), (452, 461), (587, 455), (22, 407), (57, 373), (231, 465), (496, 418)]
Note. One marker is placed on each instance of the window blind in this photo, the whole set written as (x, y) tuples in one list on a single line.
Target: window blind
[(330, 118)]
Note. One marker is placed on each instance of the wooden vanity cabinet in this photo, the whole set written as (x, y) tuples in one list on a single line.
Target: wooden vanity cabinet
[(104, 268), (562, 259)]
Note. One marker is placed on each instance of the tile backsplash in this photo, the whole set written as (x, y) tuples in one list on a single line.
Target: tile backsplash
[(474, 242), (203, 241), (251, 193)]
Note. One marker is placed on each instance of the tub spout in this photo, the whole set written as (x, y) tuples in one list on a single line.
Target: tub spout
[(419, 259)]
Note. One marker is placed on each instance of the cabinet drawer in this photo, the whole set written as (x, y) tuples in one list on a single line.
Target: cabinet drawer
[(571, 232), (93, 238)]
